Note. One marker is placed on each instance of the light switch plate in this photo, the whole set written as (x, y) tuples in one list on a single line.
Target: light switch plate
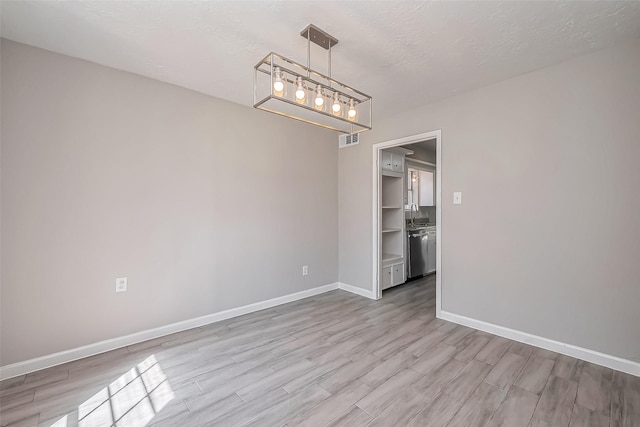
[(121, 284), (457, 197)]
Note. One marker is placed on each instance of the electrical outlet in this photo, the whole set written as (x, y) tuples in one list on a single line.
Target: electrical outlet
[(305, 270), (121, 284)]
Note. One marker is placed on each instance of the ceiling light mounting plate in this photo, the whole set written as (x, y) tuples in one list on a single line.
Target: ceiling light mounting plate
[(319, 37)]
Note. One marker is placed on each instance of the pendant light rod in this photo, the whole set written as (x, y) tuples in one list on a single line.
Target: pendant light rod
[(319, 37), (308, 52), (322, 39), (329, 65)]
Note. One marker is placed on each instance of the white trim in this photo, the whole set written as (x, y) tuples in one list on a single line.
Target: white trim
[(400, 150), (21, 368), (602, 359), (437, 135), (439, 224), (419, 162), (356, 290)]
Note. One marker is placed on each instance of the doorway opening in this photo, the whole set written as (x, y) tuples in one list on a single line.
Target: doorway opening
[(400, 194)]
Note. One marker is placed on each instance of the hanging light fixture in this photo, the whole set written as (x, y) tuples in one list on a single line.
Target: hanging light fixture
[(290, 89)]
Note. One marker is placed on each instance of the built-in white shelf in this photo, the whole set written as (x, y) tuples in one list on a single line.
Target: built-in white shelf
[(393, 174), (392, 219), (389, 258)]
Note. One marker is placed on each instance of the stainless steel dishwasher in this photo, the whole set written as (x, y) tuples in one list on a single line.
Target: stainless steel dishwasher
[(417, 250), (431, 252)]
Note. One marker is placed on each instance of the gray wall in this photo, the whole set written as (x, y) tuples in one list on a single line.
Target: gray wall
[(203, 204), (547, 238)]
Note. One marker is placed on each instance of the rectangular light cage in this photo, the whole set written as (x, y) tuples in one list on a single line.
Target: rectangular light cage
[(342, 108)]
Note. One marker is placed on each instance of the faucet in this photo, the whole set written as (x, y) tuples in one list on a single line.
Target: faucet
[(412, 214)]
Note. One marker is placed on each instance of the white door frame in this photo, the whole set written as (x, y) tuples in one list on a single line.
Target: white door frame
[(437, 135)]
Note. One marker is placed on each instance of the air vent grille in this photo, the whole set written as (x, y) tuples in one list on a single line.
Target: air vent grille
[(347, 140)]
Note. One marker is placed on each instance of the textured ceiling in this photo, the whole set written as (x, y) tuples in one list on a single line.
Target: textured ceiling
[(403, 53)]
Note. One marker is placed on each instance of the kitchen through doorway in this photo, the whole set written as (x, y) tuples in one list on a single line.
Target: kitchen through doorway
[(407, 211)]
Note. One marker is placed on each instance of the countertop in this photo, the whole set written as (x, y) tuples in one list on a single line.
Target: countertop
[(420, 227)]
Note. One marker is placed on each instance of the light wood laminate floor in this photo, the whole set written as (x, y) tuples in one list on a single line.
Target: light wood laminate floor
[(335, 359)]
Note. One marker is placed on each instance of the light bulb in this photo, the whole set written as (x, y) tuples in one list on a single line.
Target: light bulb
[(319, 100), (300, 92), (352, 113), (336, 108), (278, 84)]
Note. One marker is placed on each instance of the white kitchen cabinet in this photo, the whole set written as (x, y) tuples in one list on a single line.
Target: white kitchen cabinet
[(385, 277), (397, 162), (398, 274), (386, 160), (392, 275), (392, 161), (427, 188), (421, 184)]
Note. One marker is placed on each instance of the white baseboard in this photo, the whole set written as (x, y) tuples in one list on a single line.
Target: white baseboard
[(356, 290), (617, 363), (32, 365)]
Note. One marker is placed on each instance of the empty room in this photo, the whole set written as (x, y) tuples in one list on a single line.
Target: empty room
[(319, 213)]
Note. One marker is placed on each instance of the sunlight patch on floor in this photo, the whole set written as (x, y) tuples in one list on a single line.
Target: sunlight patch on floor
[(132, 400)]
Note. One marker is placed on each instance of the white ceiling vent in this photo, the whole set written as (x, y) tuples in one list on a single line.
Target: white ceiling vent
[(346, 140)]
